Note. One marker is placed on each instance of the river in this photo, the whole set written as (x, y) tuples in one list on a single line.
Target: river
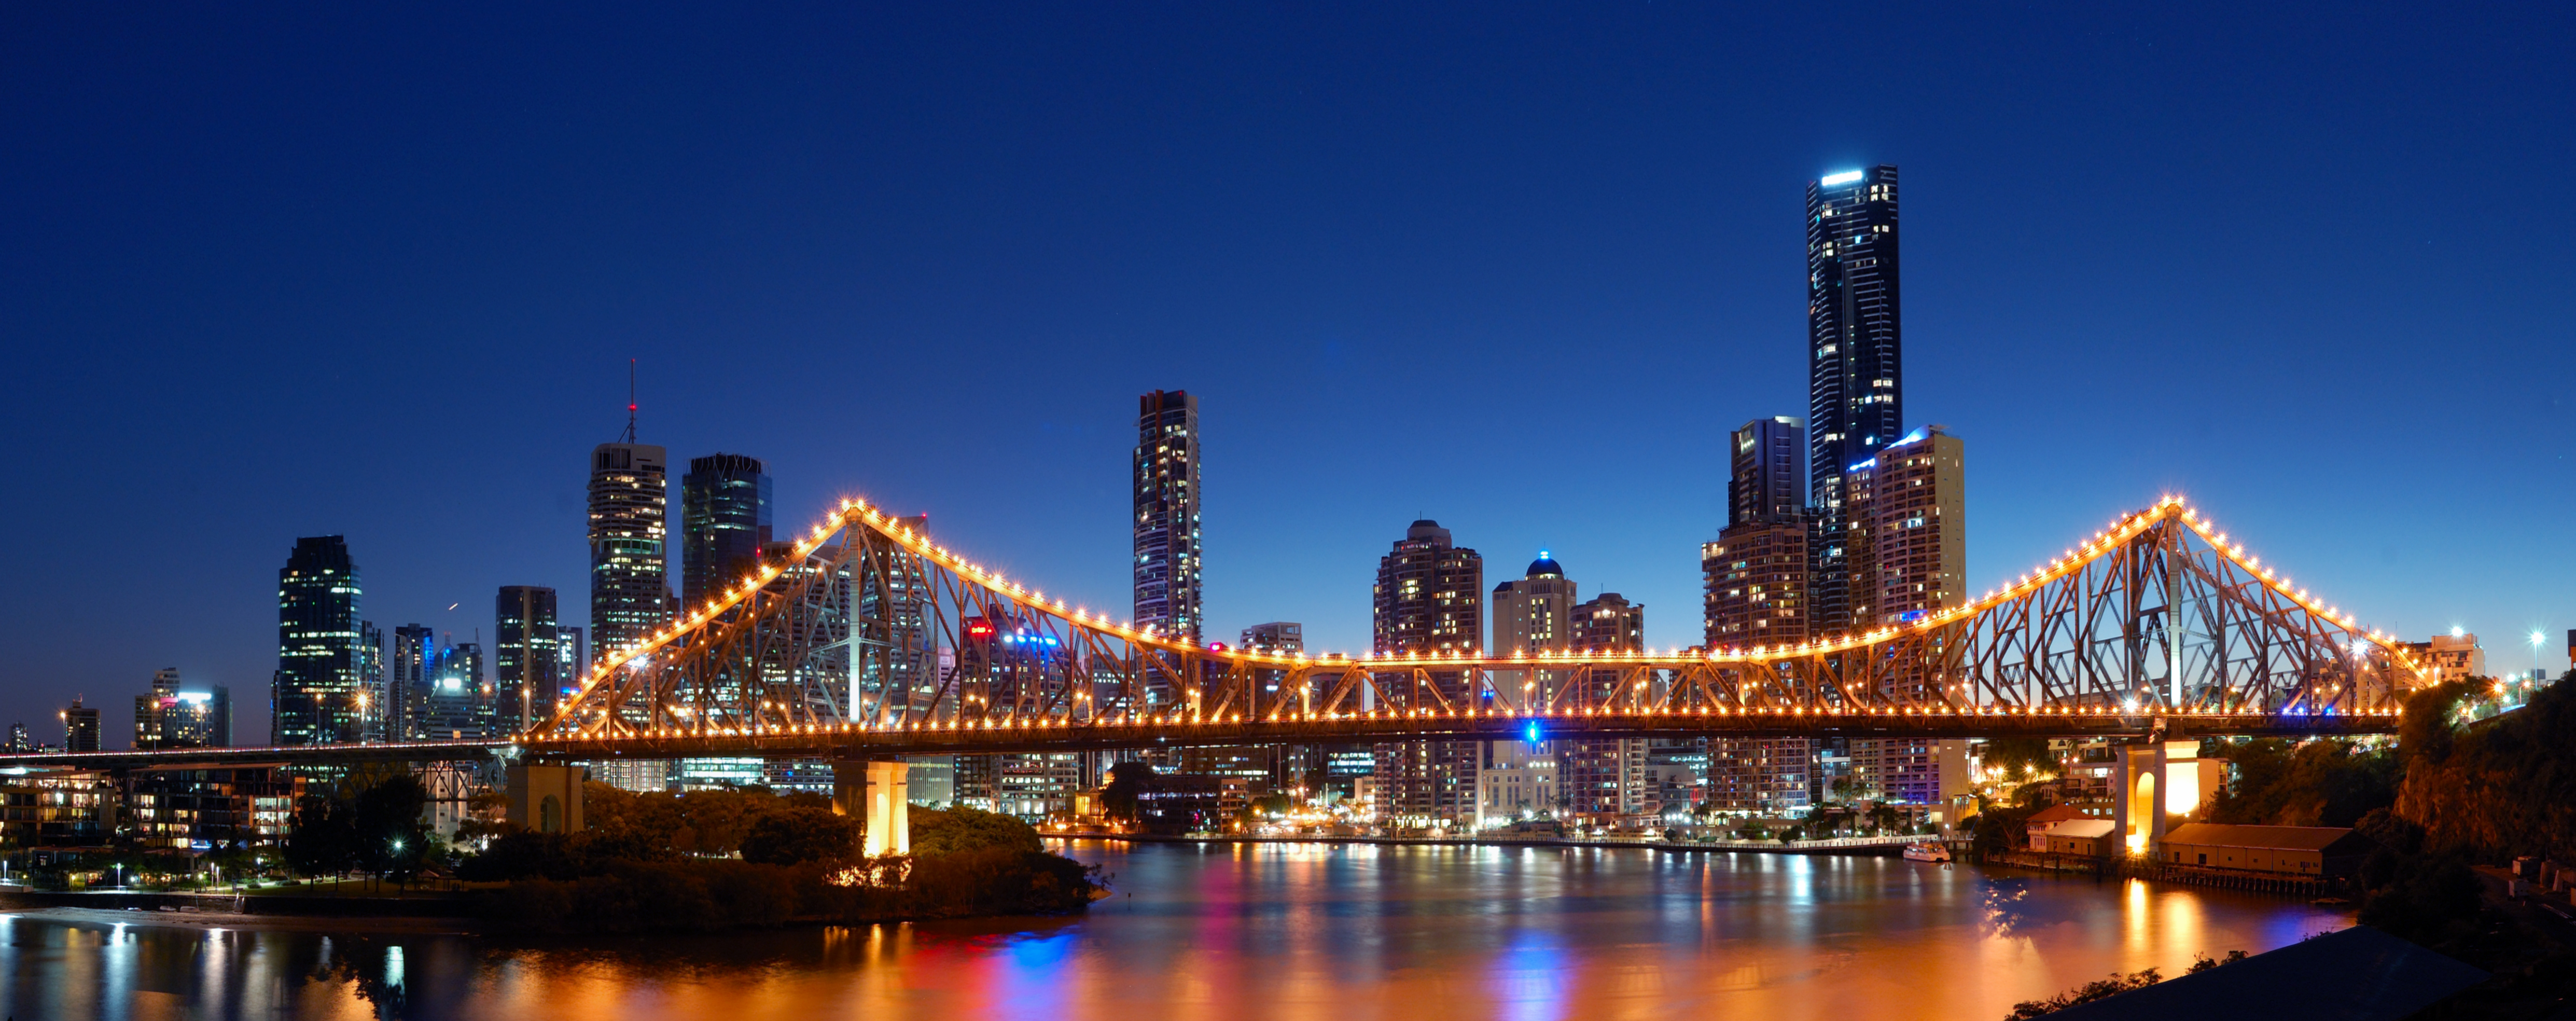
[(1331, 933)]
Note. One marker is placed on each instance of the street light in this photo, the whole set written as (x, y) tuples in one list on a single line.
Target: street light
[(2536, 639)]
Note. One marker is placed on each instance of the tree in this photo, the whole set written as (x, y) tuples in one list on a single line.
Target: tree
[(388, 834), (322, 838), (1125, 780), (957, 829), (2020, 758), (799, 834)]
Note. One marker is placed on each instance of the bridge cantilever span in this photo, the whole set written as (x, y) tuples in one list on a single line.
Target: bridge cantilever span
[(2158, 623), (2156, 620)]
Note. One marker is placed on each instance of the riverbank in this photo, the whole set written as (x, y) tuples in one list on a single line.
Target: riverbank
[(1871, 847), (261, 904)]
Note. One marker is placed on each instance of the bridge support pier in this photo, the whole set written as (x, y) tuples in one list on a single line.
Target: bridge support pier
[(875, 791), (2153, 782), (546, 797)]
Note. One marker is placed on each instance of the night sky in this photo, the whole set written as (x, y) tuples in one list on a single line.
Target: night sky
[(342, 270)]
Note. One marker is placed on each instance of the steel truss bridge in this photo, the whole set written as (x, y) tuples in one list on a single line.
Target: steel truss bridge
[(868, 640)]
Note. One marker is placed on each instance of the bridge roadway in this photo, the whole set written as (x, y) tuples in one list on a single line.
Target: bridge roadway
[(851, 742)]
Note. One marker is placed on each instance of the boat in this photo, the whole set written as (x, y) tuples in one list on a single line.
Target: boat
[(1926, 851)]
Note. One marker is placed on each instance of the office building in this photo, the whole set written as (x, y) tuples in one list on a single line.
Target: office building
[(1167, 513), (174, 717), (80, 727), (460, 702), (1855, 377), (411, 668), (19, 739), (319, 693), (724, 523), (1277, 636), (524, 657), (1516, 781), (1429, 600), (630, 594), (572, 657)]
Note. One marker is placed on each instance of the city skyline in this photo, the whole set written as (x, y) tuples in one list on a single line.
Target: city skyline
[(1684, 315)]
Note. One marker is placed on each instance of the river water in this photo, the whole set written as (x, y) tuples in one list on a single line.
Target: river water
[(1332, 933)]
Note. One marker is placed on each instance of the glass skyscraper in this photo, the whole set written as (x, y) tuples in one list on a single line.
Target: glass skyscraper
[(724, 521), (1855, 378), (629, 592), (316, 696), (525, 659), (1167, 514), (411, 667)]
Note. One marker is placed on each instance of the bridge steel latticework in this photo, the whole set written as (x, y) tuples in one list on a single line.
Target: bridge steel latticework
[(838, 646)]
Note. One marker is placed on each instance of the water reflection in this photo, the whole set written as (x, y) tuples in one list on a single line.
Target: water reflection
[(1299, 931)]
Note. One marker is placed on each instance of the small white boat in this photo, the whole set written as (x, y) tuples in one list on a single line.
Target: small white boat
[(1926, 851)]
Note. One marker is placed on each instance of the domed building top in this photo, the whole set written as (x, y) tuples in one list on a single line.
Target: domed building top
[(1545, 567)]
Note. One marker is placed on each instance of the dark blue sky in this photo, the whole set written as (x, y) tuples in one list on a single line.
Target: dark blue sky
[(1514, 268)]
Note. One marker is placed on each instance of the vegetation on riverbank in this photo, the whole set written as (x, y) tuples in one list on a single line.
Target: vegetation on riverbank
[(707, 861)]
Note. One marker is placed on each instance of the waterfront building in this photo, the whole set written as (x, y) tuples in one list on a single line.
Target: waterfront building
[(724, 523), (411, 670), (57, 809), (1167, 514), (1603, 780), (643, 776), (172, 717), (80, 727), (1517, 780), (1855, 377), (716, 774), (318, 693), (791, 776), (629, 590), (1429, 599), (524, 656), (203, 809)]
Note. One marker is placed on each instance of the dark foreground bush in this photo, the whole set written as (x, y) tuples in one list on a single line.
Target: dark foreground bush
[(710, 895)]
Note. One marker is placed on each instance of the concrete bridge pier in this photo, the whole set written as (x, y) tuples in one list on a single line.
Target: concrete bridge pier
[(875, 791), (546, 797)]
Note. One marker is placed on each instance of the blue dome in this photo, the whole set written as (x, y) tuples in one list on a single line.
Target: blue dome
[(1545, 567)]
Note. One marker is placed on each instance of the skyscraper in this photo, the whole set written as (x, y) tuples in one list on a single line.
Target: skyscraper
[(1276, 636), (572, 658), (724, 522), (375, 702), (1167, 513), (315, 697), (629, 593), (1908, 537), (460, 700), (410, 668), (171, 717), (80, 727), (1604, 779), (1855, 378), (524, 656), (1532, 613), (1430, 599), (1758, 575)]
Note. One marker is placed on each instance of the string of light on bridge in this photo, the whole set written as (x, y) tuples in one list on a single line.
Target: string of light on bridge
[(853, 514)]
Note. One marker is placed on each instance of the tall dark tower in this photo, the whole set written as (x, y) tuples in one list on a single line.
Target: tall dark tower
[(724, 522), (1167, 513), (526, 658), (1855, 377), (316, 695)]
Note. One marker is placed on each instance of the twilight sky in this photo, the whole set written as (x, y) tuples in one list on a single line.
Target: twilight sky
[(337, 269)]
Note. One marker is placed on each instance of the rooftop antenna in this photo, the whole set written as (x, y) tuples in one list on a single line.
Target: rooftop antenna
[(630, 401)]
